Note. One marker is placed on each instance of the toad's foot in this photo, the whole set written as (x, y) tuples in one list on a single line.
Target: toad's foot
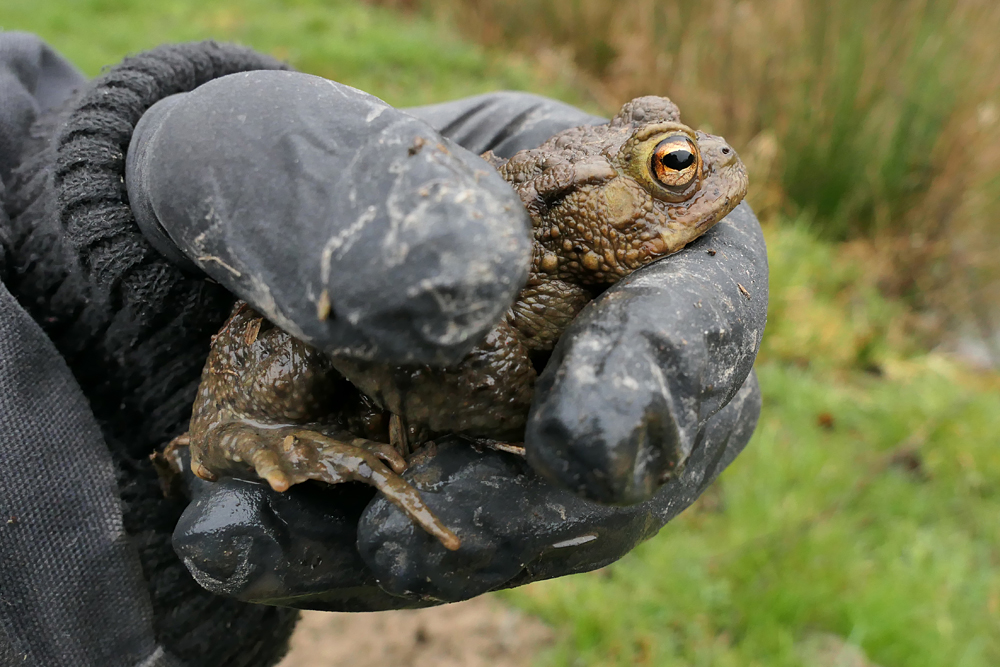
[(288, 455)]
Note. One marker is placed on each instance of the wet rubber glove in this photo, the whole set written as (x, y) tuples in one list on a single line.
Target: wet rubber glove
[(129, 316), (229, 175)]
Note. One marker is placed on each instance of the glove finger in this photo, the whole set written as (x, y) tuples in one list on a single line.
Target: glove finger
[(295, 549), (633, 380), (503, 512), (717, 445), (516, 527), (352, 225)]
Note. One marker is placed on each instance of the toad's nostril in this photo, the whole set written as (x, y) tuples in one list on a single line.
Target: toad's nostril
[(726, 151)]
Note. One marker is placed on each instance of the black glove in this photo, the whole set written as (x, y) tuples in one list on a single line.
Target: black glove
[(659, 362), (134, 332)]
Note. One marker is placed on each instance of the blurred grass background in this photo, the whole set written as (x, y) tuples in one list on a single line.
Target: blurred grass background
[(872, 120), (865, 511)]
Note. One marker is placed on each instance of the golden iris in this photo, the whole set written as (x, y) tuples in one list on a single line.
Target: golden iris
[(675, 162)]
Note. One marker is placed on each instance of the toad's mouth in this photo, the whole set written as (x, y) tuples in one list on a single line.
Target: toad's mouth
[(710, 221)]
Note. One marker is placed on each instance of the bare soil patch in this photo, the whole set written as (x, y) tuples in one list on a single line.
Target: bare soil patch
[(476, 633)]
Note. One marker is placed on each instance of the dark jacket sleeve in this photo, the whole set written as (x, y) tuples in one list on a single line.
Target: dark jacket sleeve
[(94, 300), (71, 586)]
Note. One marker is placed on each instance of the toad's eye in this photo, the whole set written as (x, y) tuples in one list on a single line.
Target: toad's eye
[(675, 162), (678, 159)]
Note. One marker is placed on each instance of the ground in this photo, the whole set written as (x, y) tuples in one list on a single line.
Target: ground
[(482, 632)]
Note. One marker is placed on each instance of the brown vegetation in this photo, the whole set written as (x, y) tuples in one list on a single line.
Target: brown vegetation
[(876, 121)]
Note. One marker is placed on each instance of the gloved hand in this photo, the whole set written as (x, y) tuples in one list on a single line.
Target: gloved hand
[(229, 174), (133, 330)]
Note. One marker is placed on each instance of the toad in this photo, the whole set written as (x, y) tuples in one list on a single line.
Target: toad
[(604, 201)]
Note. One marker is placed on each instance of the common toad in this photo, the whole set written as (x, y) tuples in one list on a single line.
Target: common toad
[(604, 201)]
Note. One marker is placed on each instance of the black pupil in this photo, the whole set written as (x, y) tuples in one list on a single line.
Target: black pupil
[(678, 160)]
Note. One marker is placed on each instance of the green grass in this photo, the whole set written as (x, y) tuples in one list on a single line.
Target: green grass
[(867, 504), (404, 60), (861, 144)]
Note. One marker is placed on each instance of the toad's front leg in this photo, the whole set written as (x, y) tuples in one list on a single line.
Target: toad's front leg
[(288, 455), (270, 404)]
